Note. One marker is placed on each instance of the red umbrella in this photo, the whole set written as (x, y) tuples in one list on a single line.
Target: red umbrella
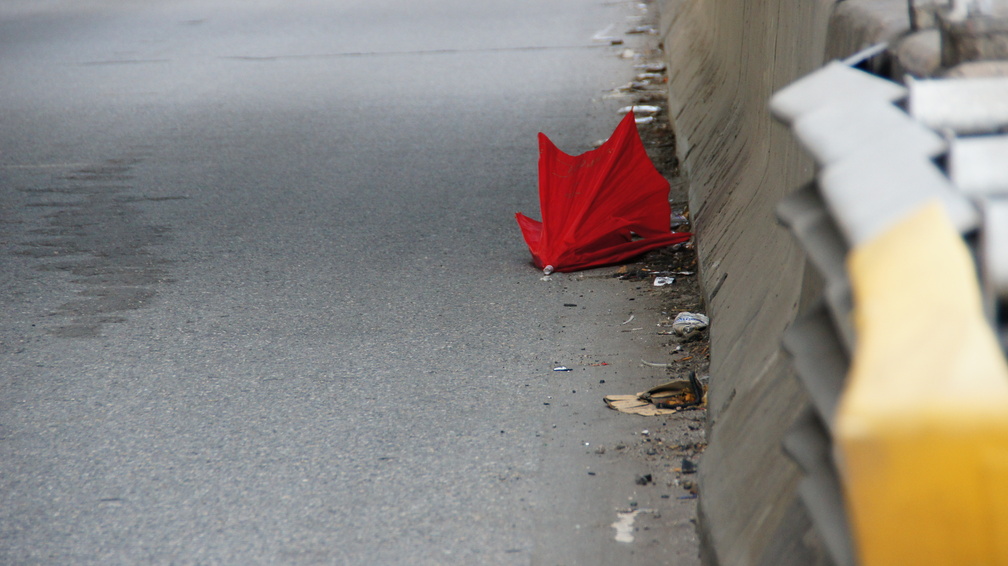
[(602, 207)]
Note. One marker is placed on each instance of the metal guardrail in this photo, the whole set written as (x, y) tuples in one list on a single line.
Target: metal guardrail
[(900, 167)]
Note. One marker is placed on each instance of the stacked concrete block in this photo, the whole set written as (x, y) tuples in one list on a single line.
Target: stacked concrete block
[(887, 182)]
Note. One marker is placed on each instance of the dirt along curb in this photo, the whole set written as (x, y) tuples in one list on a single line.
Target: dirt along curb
[(617, 487), (669, 445)]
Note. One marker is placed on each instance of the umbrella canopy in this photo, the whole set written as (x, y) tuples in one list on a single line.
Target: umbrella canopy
[(602, 207)]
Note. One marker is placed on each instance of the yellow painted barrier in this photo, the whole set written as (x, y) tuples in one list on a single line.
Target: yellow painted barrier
[(922, 427)]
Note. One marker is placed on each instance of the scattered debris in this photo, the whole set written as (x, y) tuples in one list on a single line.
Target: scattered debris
[(664, 399), (627, 273), (650, 30), (627, 321), (621, 91), (632, 404), (654, 364), (644, 479), (676, 394), (691, 487), (651, 67), (679, 218), (651, 77), (640, 109), (689, 324), (663, 281), (605, 35), (562, 368)]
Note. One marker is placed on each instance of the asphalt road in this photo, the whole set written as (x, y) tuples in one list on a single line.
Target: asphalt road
[(263, 296)]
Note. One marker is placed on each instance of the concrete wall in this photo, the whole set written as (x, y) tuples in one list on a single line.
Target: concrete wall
[(726, 58)]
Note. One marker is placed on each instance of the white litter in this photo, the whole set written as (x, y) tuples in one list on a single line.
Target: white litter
[(624, 525), (640, 109), (687, 324)]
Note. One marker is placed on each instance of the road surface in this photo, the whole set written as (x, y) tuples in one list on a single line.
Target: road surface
[(264, 299)]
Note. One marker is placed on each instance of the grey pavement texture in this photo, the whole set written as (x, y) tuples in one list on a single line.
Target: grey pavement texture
[(264, 299)]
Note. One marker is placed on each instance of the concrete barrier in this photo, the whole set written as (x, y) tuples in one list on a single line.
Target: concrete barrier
[(725, 59)]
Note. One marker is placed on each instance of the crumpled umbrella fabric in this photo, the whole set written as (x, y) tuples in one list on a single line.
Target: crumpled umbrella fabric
[(602, 207)]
